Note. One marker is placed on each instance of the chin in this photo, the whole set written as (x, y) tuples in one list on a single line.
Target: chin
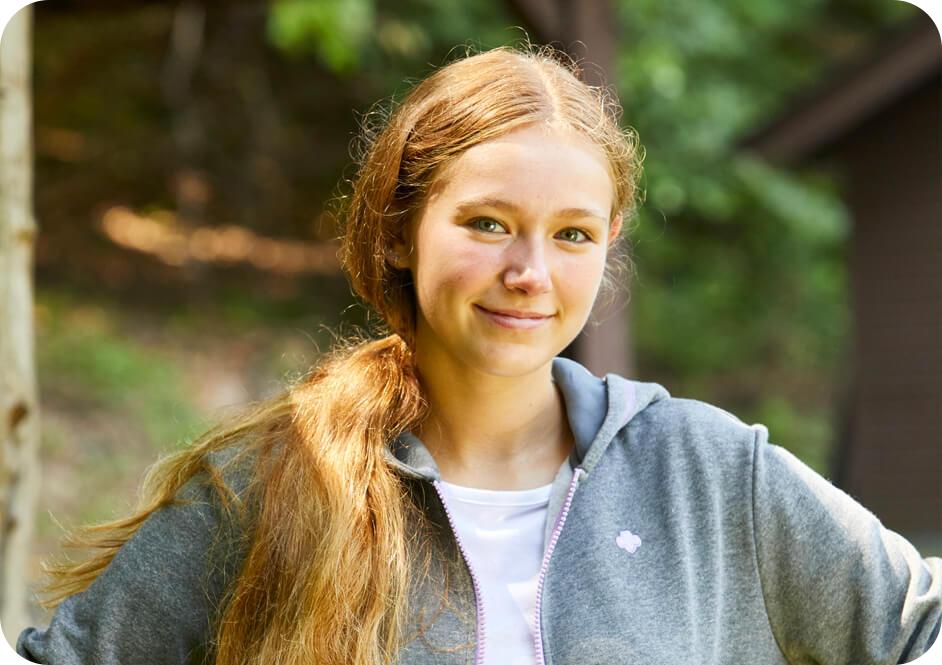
[(510, 359)]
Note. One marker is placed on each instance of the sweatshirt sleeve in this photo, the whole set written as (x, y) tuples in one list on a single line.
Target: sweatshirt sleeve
[(840, 588), (153, 604)]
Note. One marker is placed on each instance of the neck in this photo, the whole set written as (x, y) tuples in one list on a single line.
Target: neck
[(494, 432)]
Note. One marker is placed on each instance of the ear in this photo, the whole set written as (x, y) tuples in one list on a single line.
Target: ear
[(398, 254), (614, 229)]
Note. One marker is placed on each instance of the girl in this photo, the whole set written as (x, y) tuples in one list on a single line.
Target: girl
[(455, 492)]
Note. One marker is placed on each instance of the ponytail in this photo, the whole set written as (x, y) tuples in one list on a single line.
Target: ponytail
[(327, 577)]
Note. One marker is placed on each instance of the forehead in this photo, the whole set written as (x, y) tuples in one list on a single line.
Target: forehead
[(535, 167)]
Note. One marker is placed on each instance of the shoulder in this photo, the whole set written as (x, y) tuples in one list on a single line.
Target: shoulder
[(693, 434), (225, 490), (695, 422)]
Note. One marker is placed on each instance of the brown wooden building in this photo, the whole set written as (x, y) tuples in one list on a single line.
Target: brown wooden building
[(876, 124)]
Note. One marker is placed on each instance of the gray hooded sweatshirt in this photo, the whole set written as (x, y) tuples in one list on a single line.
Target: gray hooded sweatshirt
[(676, 534)]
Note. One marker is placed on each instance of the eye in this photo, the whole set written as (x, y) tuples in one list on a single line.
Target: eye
[(575, 235), (486, 224)]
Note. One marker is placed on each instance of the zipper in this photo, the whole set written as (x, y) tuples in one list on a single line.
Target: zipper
[(478, 602), (557, 528)]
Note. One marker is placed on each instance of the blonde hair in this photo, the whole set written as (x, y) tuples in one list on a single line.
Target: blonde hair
[(325, 519)]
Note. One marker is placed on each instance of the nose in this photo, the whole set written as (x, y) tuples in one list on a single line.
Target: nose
[(528, 271)]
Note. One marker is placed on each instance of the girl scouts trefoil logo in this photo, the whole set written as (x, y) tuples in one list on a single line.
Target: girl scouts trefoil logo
[(628, 541)]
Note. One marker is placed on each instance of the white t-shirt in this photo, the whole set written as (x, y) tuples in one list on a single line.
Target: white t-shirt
[(502, 533)]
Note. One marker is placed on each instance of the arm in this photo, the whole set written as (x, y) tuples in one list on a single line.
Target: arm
[(840, 588), (153, 604)]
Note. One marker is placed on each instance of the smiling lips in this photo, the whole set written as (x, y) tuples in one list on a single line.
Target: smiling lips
[(515, 319)]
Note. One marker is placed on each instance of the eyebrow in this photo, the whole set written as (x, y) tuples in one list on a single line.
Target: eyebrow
[(512, 208)]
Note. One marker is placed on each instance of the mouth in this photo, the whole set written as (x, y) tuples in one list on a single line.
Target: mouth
[(514, 319)]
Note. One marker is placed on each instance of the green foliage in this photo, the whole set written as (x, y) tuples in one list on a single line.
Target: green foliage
[(84, 359), (333, 29), (386, 42), (808, 433)]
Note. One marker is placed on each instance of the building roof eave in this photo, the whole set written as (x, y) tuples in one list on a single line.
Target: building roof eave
[(847, 97)]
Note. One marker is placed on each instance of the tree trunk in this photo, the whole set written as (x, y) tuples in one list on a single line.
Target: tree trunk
[(590, 35), (19, 412)]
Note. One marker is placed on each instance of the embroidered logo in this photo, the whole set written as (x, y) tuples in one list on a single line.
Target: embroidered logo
[(628, 541)]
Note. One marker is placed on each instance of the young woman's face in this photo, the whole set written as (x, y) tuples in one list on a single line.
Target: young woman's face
[(508, 254)]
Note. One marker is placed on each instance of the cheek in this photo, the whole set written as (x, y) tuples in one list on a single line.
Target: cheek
[(581, 277), (457, 269)]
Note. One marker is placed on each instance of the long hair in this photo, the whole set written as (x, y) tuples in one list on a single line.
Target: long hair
[(326, 520)]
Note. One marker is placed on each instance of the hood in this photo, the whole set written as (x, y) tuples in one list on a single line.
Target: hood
[(597, 410)]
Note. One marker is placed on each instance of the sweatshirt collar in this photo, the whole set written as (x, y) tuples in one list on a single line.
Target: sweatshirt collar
[(597, 408)]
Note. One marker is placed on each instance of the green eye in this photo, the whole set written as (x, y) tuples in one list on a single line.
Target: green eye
[(486, 224), (574, 235)]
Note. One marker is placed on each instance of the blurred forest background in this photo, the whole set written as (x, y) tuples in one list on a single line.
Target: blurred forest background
[(186, 155)]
